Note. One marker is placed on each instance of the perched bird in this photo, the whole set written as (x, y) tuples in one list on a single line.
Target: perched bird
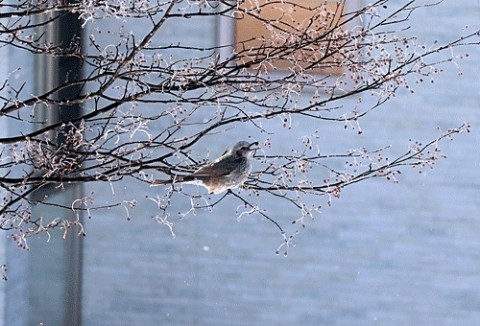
[(226, 172)]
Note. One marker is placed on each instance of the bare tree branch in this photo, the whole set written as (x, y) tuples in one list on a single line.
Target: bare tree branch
[(148, 101)]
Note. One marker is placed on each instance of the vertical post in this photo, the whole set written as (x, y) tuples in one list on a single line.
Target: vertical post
[(59, 260), (68, 68)]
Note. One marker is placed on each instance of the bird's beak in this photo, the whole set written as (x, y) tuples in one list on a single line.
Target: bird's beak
[(253, 146)]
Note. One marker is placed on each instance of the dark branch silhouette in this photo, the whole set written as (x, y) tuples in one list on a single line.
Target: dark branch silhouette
[(335, 55)]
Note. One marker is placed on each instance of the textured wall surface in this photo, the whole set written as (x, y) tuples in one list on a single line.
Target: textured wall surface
[(14, 299), (392, 254)]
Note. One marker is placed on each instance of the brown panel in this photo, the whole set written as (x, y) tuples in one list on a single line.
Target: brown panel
[(264, 27)]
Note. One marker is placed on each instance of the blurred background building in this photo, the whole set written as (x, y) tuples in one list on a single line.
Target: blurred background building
[(390, 254)]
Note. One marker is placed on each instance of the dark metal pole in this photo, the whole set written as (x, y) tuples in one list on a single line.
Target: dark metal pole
[(69, 69), (53, 70)]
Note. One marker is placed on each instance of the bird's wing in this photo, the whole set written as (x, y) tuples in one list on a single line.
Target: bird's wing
[(221, 157), (215, 169)]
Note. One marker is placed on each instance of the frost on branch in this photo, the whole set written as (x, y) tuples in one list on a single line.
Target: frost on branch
[(149, 98)]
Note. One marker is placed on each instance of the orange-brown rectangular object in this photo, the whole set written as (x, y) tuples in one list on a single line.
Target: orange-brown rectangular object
[(296, 35)]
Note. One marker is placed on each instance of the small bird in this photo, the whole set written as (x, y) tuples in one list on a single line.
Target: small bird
[(226, 172)]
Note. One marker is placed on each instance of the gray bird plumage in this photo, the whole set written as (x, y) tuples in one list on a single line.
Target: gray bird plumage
[(226, 172)]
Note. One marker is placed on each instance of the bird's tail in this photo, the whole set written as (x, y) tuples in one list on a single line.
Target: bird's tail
[(159, 182), (177, 178)]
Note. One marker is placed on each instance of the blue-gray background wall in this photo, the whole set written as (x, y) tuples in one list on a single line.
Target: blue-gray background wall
[(387, 254), (391, 254)]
